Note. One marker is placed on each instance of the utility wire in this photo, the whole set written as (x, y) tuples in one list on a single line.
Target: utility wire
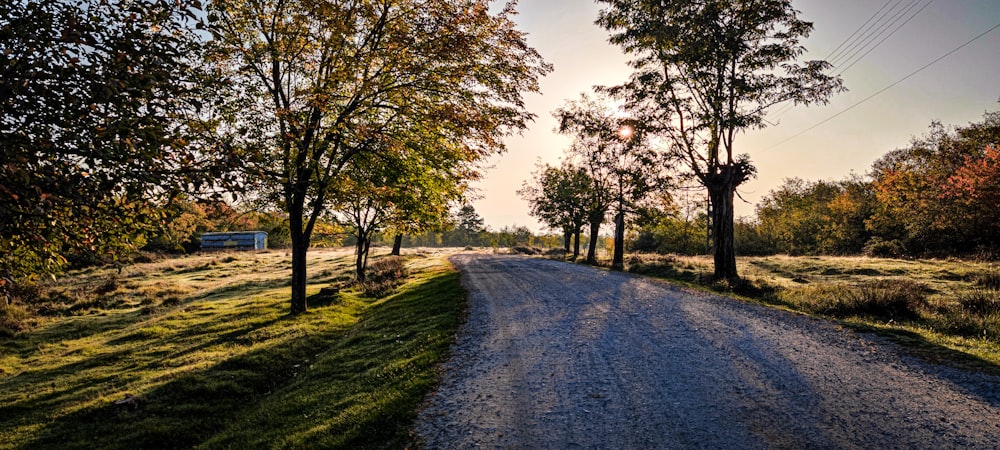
[(880, 24), (871, 32), (856, 31), (881, 41), (787, 106), (921, 69), (848, 43)]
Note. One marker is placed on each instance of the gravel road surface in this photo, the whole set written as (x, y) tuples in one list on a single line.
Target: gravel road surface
[(557, 355)]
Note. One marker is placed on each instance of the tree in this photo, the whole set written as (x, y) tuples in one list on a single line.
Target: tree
[(101, 116), (707, 71), (317, 83), (820, 217), (625, 169), (407, 189), (468, 227), (559, 197), (974, 189), (669, 226), (918, 202)]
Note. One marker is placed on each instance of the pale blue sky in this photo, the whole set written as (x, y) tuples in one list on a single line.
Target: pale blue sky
[(956, 91)]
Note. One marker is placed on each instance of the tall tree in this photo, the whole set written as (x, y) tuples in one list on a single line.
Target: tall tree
[(559, 197), (318, 82), (626, 170), (706, 71), (468, 227), (100, 114), (974, 191)]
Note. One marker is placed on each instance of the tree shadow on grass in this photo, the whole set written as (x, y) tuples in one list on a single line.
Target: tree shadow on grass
[(295, 390), (183, 412), (975, 375)]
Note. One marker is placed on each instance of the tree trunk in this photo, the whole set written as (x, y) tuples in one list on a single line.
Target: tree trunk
[(618, 261), (368, 246), (595, 227), (397, 244), (567, 236), (300, 246), (361, 259), (721, 194), (576, 243)]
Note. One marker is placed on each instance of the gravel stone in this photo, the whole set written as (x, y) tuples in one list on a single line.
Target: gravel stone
[(558, 355)]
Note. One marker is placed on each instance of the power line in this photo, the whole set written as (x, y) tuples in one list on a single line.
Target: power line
[(921, 69), (857, 31), (871, 29), (880, 42), (878, 24)]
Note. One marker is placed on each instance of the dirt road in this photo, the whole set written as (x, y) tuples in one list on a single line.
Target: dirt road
[(557, 355)]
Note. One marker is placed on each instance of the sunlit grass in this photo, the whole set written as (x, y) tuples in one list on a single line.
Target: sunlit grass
[(200, 351)]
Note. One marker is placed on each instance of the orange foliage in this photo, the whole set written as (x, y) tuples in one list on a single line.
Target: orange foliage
[(977, 181)]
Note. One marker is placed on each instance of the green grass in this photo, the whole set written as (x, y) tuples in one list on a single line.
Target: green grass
[(944, 310), (205, 351)]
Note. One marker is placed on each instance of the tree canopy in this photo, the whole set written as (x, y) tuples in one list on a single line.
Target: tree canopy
[(615, 150), (318, 83), (706, 71), (100, 113), (404, 192), (561, 197)]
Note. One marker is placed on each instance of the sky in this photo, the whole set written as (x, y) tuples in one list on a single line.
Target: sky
[(957, 90)]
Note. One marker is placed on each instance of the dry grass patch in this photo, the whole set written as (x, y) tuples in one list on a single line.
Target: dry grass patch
[(951, 304)]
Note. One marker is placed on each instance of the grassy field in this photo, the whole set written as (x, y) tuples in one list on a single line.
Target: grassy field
[(947, 310), (200, 352)]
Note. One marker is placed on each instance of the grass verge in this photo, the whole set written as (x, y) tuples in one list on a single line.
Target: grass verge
[(217, 363), (947, 311)]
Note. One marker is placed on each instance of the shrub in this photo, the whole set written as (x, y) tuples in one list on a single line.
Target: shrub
[(384, 274), (26, 292), (13, 319), (756, 288), (147, 257), (980, 302), (817, 297), (886, 299), (14, 315), (880, 248), (890, 299), (109, 285), (989, 279), (558, 253), (653, 269), (975, 315)]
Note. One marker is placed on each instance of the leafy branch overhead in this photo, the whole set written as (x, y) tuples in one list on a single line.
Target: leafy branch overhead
[(103, 109)]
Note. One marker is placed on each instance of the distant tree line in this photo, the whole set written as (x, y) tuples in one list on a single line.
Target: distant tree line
[(939, 196)]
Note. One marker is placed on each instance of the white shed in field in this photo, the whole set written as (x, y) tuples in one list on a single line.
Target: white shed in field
[(234, 240)]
